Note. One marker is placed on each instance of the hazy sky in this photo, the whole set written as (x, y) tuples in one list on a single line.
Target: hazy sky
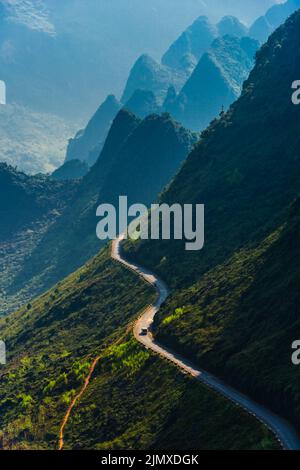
[(81, 50)]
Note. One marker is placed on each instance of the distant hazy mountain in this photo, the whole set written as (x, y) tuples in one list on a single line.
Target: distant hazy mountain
[(275, 16), (147, 74), (245, 167), (181, 58), (187, 50), (217, 81), (238, 319), (232, 26), (88, 143), (142, 103), (192, 43), (149, 84), (62, 57)]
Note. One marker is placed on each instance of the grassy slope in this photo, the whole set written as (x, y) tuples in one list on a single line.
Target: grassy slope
[(241, 319), (235, 306), (51, 345), (70, 323), (138, 401)]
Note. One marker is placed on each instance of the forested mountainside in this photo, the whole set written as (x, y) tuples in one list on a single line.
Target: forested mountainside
[(29, 206), (70, 170), (150, 151), (235, 304), (242, 317), (52, 344), (26, 200)]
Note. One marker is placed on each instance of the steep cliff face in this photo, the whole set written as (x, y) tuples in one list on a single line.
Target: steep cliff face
[(194, 65)]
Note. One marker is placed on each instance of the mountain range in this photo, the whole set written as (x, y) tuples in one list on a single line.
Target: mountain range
[(215, 83), (233, 307), (181, 58), (149, 151), (76, 64), (201, 69)]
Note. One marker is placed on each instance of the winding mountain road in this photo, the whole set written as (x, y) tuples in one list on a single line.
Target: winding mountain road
[(284, 432)]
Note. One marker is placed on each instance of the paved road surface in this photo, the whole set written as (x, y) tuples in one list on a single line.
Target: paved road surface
[(285, 433)]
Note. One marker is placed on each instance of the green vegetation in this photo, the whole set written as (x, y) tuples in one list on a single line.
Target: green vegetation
[(245, 168), (137, 401), (128, 357), (29, 205), (63, 214), (52, 344), (242, 317), (239, 297), (234, 308), (134, 399)]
